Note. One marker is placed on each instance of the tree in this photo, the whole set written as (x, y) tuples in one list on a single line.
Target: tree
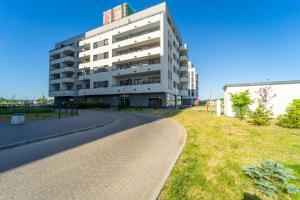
[(2, 100), (292, 117), (240, 103), (263, 113), (42, 100)]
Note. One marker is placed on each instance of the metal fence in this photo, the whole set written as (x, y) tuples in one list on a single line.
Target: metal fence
[(60, 109)]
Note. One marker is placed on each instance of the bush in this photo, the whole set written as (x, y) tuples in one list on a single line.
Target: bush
[(240, 103), (261, 116), (92, 105), (292, 117), (271, 177)]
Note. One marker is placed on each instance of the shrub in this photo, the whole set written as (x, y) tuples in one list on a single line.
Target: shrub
[(240, 103), (93, 105), (261, 116), (271, 177), (292, 117)]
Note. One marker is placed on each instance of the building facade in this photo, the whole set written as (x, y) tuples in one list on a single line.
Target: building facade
[(190, 88), (137, 60), (283, 93)]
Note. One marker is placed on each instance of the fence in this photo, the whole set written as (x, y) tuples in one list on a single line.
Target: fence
[(30, 108)]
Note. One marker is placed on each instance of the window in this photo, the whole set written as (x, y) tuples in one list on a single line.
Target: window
[(100, 69), (169, 75), (100, 84), (100, 43), (174, 69), (137, 81), (100, 56), (106, 55), (126, 82), (154, 80), (105, 42), (174, 84)]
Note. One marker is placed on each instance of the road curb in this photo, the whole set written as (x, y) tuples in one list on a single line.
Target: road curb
[(160, 186), (22, 143)]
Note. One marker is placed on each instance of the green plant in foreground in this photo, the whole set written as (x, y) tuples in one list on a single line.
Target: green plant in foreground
[(271, 177), (292, 117), (240, 103), (261, 116)]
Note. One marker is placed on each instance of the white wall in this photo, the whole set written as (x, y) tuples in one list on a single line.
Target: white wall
[(285, 93)]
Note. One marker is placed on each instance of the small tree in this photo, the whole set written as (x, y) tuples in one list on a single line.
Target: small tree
[(240, 103), (263, 113), (292, 117), (42, 100)]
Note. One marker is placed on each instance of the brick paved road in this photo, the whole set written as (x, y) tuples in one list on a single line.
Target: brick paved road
[(10, 134), (126, 159)]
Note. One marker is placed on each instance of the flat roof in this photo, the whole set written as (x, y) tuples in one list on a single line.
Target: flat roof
[(262, 83)]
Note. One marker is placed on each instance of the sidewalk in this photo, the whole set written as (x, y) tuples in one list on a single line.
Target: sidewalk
[(15, 135)]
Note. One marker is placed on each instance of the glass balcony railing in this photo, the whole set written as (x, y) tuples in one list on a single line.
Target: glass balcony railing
[(140, 83), (133, 50), (129, 36)]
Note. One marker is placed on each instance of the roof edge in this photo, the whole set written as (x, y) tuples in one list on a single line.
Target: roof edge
[(262, 83)]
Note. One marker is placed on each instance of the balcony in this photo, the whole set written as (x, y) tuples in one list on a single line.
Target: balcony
[(84, 77), (86, 64), (66, 60), (184, 79), (55, 71), (183, 68), (183, 47), (128, 89), (84, 53), (183, 58), (68, 69), (133, 40), (67, 79), (184, 92), (134, 69), (62, 50), (137, 54), (55, 93)]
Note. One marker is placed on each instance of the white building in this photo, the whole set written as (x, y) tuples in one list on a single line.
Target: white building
[(284, 91), (190, 97), (136, 60)]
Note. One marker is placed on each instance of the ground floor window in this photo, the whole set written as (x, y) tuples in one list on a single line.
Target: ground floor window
[(170, 100), (155, 102), (124, 101)]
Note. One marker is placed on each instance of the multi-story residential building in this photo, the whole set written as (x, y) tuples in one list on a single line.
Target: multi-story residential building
[(190, 88), (136, 60)]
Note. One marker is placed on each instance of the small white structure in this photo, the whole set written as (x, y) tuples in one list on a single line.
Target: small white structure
[(17, 118), (285, 92), (218, 108)]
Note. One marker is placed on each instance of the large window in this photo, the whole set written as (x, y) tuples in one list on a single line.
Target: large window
[(154, 80), (100, 84), (100, 69)]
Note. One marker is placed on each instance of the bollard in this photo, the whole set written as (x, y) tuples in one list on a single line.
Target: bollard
[(218, 107)]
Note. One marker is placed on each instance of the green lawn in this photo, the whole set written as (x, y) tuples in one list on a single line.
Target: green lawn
[(217, 149), (34, 116)]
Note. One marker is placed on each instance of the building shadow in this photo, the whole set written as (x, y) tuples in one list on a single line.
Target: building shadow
[(22, 155)]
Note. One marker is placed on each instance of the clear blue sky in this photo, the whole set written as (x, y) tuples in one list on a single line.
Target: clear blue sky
[(229, 41)]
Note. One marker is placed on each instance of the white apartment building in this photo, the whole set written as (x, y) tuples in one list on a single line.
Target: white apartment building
[(189, 90), (137, 60)]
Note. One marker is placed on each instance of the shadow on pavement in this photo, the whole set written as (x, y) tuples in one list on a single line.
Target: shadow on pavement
[(18, 156)]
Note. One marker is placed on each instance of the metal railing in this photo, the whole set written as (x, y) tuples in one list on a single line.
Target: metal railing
[(59, 109)]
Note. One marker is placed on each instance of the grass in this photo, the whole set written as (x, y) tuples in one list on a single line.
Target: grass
[(216, 150), (34, 116)]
